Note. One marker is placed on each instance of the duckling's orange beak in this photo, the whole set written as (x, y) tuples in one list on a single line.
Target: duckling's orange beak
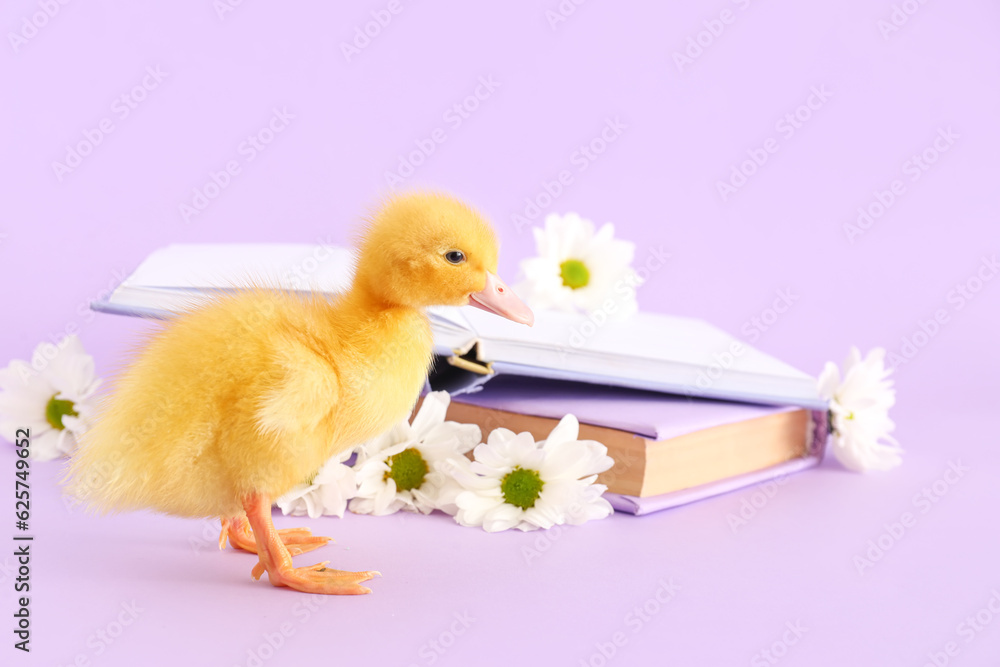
[(499, 299)]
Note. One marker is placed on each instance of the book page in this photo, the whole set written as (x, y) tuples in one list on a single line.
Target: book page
[(282, 265), (645, 336)]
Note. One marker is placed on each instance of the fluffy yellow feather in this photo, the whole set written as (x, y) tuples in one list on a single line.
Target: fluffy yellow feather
[(232, 404)]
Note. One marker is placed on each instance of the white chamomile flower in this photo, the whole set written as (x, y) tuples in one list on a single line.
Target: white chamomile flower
[(407, 468), (52, 396), (859, 405), (326, 495), (578, 268), (516, 483)]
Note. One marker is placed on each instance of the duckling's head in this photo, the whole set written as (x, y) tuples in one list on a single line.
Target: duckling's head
[(429, 249)]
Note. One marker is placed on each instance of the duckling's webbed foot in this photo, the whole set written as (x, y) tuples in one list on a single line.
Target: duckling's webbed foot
[(239, 533), (276, 559), (317, 579)]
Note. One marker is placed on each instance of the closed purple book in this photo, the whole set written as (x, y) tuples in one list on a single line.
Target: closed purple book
[(652, 415)]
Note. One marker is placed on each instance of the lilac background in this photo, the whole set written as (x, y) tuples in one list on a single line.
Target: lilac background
[(63, 243)]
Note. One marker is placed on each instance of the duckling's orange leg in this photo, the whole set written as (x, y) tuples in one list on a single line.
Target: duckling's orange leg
[(298, 540), (276, 560)]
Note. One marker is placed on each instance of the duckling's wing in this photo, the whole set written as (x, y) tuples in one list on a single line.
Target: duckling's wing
[(302, 391)]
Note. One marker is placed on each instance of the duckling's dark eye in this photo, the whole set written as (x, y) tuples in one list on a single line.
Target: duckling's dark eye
[(455, 256)]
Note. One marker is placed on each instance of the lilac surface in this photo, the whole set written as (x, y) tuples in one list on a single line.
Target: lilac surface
[(656, 416), (781, 236)]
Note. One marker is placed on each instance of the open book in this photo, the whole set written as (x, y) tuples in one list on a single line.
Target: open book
[(677, 355)]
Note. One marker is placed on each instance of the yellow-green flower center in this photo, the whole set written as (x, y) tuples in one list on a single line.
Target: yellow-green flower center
[(521, 487), (56, 409), (408, 469), (574, 274)]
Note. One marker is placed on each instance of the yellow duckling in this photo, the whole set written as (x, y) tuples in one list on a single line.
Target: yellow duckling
[(232, 404)]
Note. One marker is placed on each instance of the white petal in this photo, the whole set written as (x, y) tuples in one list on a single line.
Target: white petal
[(453, 436), (491, 456), (544, 516), (446, 495), (863, 454), (290, 503), (431, 413), (853, 358), (473, 507), (500, 435), (74, 425), (594, 509), (828, 380), (70, 370), (501, 517), (17, 405), (567, 430), (576, 459), (463, 472), (49, 444)]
